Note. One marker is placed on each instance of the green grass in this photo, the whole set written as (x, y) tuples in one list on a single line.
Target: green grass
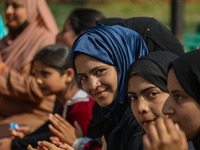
[(161, 10), (152, 8)]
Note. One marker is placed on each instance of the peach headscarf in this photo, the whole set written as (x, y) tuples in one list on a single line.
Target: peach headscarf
[(40, 31)]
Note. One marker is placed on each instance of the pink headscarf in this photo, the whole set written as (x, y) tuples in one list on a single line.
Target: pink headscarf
[(40, 32)]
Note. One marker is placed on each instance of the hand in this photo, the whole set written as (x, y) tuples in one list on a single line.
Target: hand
[(30, 147), (5, 144), (44, 145), (62, 129), (21, 131), (164, 135)]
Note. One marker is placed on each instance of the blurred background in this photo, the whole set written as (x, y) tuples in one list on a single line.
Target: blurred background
[(189, 11)]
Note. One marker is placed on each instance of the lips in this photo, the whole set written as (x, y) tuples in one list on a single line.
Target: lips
[(99, 93), (148, 121)]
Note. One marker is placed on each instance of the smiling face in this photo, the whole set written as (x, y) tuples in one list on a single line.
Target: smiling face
[(181, 107), (147, 100), (15, 13), (49, 79), (98, 79)]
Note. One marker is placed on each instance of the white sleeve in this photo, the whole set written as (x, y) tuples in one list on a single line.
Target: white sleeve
[(79, 144)]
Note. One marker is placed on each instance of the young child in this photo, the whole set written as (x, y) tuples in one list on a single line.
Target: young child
[(182, 106), (55, 76), (52, 66)]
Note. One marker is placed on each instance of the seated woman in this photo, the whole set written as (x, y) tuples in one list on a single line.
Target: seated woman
[(147, 89), (31, 27), (155, 34), (182, 107)]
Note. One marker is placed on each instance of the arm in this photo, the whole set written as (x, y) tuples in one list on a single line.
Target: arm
[(19, 85), (42, 133)]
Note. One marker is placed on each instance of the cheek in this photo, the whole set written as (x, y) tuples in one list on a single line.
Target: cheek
[(21, 15), (133, 108), (85, 87)]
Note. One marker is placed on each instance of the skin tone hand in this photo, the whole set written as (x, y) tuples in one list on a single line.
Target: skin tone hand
[(64, 130), (164, 135), (5, 144), (21, 132), (44, 145)]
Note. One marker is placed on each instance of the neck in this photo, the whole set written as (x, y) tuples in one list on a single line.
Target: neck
[(15, 32), (67, 93)]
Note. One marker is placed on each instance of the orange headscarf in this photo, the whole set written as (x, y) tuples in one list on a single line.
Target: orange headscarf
[(41, 31)]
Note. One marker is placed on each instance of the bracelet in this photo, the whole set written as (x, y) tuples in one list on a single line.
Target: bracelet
[(2, 67)]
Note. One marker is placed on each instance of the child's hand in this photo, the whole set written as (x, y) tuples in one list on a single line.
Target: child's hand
[(164, 135), (62, 129), (18, 131)]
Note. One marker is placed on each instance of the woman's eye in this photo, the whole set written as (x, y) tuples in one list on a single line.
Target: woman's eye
[(153, 94), (132, 98), (178, 97), (82, 78), (99, 71)]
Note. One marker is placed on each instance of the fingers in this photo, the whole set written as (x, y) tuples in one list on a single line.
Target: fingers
[(60, 123), (55, 140), (66, 146), (56, 132), (164, 135), (30, 147), (146, 142), (48, 145)]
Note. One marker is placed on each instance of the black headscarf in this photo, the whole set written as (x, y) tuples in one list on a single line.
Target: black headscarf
[(187, 70), (155, 34), (153, 67)]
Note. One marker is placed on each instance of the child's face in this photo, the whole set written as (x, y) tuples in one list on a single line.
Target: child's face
[(147, 100), (181, 107), (50, 80), (98, 79), (15, 13)]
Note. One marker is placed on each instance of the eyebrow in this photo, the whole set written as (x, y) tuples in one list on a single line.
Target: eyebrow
[(95, 68), (176, 91), (143, 91)]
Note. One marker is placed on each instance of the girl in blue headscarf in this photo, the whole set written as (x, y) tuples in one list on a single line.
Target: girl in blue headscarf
[(101, 56)]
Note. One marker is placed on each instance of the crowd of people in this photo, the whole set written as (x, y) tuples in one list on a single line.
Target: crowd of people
[(98, 84)]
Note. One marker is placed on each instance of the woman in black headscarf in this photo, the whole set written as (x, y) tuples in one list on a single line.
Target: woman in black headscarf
[(155, 34), (147, 89), (182, 106)]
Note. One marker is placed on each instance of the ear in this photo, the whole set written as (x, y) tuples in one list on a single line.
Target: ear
[(69, 75)]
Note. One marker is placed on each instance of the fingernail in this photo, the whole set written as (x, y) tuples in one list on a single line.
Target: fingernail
[(177, 126)]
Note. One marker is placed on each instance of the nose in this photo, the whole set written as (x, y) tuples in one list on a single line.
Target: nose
[(93, 83), (168, 106), (9, 9), (143, 107), (39, 81)]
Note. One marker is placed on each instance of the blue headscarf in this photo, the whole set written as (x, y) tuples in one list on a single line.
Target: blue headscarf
[(114, 45)]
